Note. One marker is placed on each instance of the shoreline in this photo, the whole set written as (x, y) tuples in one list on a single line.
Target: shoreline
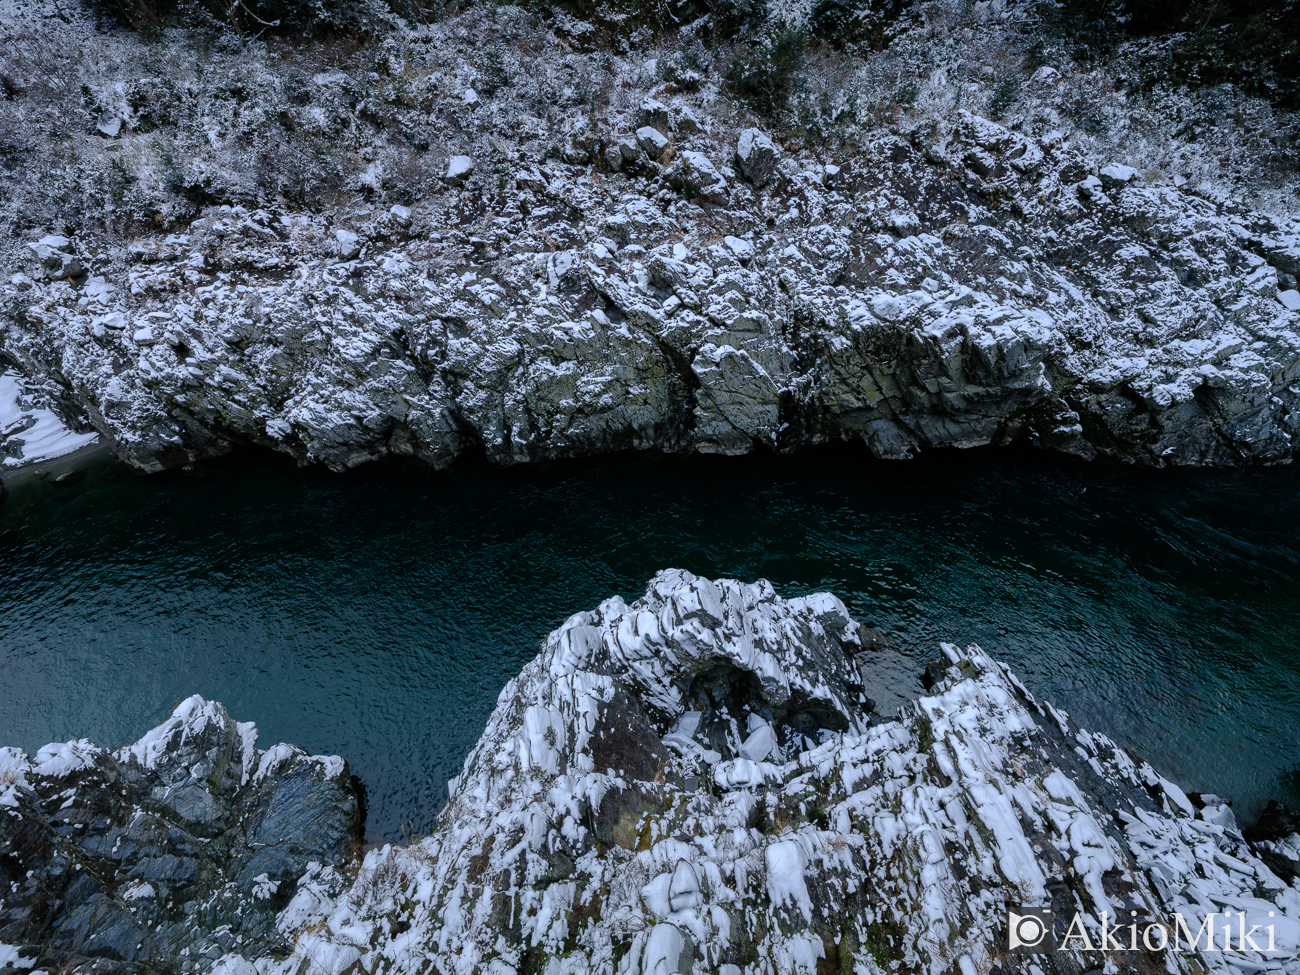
[(55, 466)]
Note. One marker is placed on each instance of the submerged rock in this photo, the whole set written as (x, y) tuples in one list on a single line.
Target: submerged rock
[(168, 853), (696, 783)]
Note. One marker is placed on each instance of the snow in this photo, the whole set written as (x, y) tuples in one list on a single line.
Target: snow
[(139, 891), (785, 876), (57, 760), (14, 767), (29, 433), (458, 167), (663, 950), (190, 717), (9, 956), (1118, 173), (1290, 299)]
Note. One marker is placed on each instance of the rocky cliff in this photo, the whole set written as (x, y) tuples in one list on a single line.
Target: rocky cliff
[(566, 248), (166, 854), (696, 782)]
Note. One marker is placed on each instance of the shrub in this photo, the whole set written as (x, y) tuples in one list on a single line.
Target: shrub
[(1259, 58), (283, 17), (1251, 44), (769, 74), (1088, 30), (840, 22), (1005, 93)]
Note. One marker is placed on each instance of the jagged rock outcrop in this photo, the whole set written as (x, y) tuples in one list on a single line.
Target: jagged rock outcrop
[(695, 783), (168, 853)]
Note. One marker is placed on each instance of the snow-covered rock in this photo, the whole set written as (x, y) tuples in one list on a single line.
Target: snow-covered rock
[(696, 176), (1117, 175), (165, 854), (586, 833), (348, 244), (921, 276), (459, 168), (54, 256), (694, 782), (31, 432), (758, 155), (652, 141)]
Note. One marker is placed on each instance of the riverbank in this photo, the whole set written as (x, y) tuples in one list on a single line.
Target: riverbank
[(33, 437), (600, 250)]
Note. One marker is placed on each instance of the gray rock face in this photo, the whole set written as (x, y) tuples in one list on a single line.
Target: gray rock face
[(914, 275), (652, 141), (54, 258), (960, 286), (575, 282), (758, 156), (170, 852)]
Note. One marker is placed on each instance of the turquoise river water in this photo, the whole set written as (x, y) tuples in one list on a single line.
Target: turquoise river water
[(377, 614)]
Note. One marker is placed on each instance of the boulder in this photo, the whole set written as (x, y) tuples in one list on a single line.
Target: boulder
[(652, 141), (459, 169), (759, 156), (55, 258), (347, 244), (654, 113), (1116, 175), (695, 175)]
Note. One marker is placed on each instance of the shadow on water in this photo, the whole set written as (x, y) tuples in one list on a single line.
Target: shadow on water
[(377, 614)]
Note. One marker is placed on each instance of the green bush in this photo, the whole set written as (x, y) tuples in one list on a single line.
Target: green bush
[(282, 17), (1005, 93), (840, 22), (769, 74)]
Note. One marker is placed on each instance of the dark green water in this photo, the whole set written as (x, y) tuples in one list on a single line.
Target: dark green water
[(377, 614)]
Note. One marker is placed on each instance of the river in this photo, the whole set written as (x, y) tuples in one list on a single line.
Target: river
[(377, 614)]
